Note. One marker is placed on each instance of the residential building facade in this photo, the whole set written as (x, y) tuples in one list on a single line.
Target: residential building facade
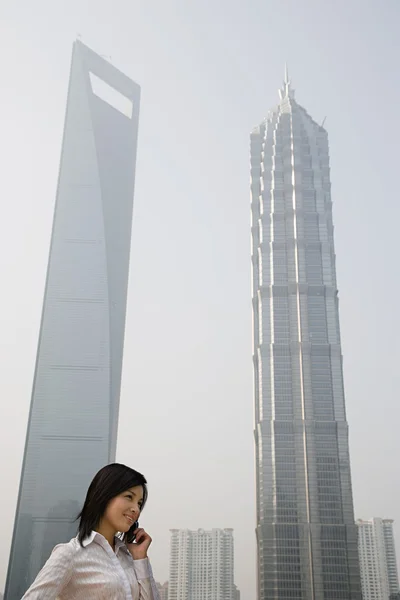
[(378, 562), (201, 565)]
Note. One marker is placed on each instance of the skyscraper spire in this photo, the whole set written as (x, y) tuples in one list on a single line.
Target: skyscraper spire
[(286, 74), (286, 91)]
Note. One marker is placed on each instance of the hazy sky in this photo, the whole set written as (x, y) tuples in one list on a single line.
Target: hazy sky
[(209, 73)]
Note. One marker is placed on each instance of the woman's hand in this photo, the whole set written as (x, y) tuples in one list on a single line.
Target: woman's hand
[(141, 544)]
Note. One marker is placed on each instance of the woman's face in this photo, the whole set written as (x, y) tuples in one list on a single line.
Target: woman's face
[(123, 510)]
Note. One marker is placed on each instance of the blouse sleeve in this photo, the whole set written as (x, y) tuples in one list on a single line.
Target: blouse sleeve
[(54, 576), (144, 575)]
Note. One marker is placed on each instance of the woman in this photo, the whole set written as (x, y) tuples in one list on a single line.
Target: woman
[(108, 558)]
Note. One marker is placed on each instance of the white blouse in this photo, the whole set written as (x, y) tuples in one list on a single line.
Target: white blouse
[(94, 572)]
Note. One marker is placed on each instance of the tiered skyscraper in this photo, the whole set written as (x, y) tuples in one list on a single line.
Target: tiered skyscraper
[(378, 564), (201, 565), (306, 534), (73, 419)]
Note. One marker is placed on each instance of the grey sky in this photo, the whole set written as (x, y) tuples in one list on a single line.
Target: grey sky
[(208, 75)]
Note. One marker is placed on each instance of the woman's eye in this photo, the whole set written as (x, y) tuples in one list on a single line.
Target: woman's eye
[(128, 496)]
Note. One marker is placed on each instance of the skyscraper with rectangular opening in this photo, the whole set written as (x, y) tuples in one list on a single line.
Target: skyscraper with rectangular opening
[(73, 417), (306, 534)]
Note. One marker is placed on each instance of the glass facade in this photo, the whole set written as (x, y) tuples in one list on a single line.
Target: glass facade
[(74, 409), (306, 535)]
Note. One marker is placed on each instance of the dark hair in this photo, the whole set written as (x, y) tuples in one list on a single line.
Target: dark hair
[(109, 482)]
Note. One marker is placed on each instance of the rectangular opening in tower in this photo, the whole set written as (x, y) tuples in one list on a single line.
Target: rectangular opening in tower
[(113, 97)]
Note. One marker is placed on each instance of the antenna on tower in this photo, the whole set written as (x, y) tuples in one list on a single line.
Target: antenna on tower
[(286, 74), (323, 121), (286, 91)]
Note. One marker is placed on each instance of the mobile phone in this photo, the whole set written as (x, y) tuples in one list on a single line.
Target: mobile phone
[(130, 536)]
